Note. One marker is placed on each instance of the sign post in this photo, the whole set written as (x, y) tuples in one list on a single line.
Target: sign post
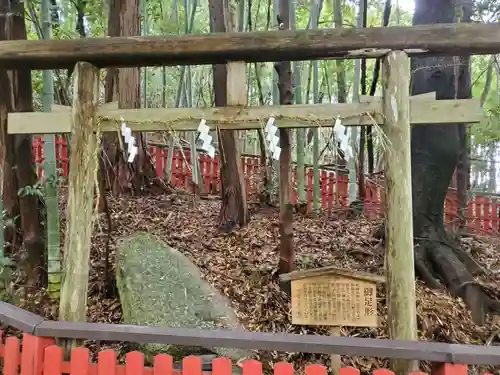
[(334, 297)]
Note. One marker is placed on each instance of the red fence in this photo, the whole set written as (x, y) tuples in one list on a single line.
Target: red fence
[(39, 356), (482, 212)]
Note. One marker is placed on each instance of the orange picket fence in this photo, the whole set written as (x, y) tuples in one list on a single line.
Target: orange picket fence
[(39, 356), (482, 214)]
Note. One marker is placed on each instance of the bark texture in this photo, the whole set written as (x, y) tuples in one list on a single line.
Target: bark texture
[(123, 85), (284, 70), (401, 301), (234, 203), (18, 164), (80, 208), (435, 152)]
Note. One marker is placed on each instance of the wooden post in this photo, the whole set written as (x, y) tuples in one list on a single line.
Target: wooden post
[(335, 359), (81, 188), (399, 218)]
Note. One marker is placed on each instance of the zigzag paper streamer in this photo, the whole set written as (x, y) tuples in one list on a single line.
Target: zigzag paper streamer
[(130, 141), (272, 138), (206, 138)]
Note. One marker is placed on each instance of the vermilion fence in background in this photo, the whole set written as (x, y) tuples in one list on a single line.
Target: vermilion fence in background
[(39, 356), (61, 154), (482, 211)]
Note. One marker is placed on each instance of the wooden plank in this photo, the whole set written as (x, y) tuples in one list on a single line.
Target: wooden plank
[(242, 118), (401, 300), (23, 320), (284, 342), (426, 96), (67, 108), (220, 48), (332, 270)]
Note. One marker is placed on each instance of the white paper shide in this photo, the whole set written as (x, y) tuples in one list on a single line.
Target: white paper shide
[(343, 139), (129, 141), (206, 138), (273, 139)]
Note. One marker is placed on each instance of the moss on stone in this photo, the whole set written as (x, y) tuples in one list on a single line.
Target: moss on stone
[(159, 286)]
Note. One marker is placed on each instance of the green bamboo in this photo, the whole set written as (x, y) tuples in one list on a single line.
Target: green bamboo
[(195, 164), (315, 79), (341, 91), (241, 16), (243, 135), (353, 139), (301, 133), (171, 143), (51, 193), (275, 164), (181, 89)]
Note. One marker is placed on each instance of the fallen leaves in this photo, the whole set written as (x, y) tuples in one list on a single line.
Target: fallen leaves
[(243, 266)]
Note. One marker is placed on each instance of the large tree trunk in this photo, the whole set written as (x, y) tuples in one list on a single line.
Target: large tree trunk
[(20, 171), (123, 85), (234, 201), (435, 152)]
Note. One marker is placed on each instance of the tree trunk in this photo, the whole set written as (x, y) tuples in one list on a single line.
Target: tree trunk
[(234, 201), (129, 96), (19, 154), (284, 69), (435, 152), (109, 147), (7, 146), (362, 133), (123, 85)]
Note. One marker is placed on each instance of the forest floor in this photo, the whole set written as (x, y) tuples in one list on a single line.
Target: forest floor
[(242, 266)]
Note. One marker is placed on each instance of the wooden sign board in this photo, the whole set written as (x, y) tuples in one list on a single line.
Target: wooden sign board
[(334, 297)]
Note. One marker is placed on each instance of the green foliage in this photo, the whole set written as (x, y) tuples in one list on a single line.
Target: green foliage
[(7, 267), (488, 131), (36, 190), (39, 188), (167, 18)]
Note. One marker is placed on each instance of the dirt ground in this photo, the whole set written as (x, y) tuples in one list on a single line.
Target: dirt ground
[(242, 265)]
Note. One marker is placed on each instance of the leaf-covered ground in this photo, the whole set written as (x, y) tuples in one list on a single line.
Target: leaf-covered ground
[(242, 265)]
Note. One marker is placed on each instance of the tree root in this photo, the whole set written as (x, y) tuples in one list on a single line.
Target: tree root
[(448, 268), (441, 264)]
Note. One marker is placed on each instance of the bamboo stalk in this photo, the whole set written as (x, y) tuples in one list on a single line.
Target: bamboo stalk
[(51, 175)]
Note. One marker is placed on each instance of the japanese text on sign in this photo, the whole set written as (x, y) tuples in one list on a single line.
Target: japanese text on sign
[(340, 302)]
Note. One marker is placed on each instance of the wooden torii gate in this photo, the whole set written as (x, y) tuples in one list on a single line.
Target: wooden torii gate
[(394, 112)]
